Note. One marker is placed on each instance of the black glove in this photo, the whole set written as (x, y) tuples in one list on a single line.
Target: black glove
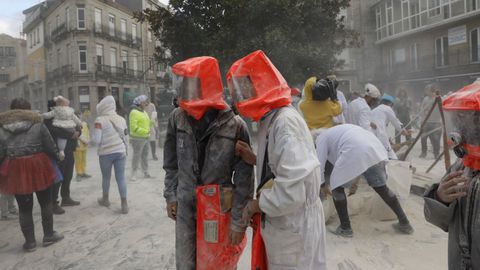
[(332, 89)]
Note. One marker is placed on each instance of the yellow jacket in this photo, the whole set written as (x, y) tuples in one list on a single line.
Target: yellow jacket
[(84, 139), (318, 114)]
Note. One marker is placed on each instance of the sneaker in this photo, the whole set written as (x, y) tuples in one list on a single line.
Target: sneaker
[(103, 202), (69, 202), (147, 175), (57, 210), (30, 247), (403, 228), (133, 179), (347, 233), (52, 239)]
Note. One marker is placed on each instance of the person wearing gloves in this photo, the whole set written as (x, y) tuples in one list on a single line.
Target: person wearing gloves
[(199, 154), (453, 205), (321, 104), (382, 116), (287, 169), (353, 151), (110, 136), (140, 126), (359, 110)]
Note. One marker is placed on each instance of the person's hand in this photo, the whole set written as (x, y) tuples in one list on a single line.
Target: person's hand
[(325, 191), (452, 187), (373, 126), (406, 132), (252, 208), (172, 210), (236, 237), (243, 150), (75, 135)]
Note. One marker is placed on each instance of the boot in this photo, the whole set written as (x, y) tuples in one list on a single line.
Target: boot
[(124, 206), (104, 200), (52, 239), (28, 230), (403, 227), (133, 177), (344, 232), (69, 202), (57, 210)]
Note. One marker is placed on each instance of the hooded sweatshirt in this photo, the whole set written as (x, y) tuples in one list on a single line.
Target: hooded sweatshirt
[(318, 114), (110, 133)]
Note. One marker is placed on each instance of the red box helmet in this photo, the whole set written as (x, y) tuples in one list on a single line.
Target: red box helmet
[(462, 113), (199, 85), (256, 86)]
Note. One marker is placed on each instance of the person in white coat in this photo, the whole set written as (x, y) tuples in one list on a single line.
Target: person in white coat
[(353, 151), (294, 224), (359, 110), (382, 116)]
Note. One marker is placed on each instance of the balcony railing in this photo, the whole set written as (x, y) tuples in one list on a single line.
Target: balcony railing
[(61, 74), (127, 39), (59, 33), (117, 73)]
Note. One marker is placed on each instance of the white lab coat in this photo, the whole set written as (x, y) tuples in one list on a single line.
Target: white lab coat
[(294, 231), (383, 115), (351, 150), (342, 118), (359, 113)]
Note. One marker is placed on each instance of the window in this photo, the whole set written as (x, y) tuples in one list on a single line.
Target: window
[(67, 54), (67, 18), (414, 56), (123, 28), (474, 45), (82, 58), (4, 77), (150, 66), (59, 56), (99, 52), (81, 18), (115, 93), (30, 38), (98, 20), (57, 21), (441, 51), (49, 28), (135, 61), (434, 8), (134, 33), (149, 35), (124, 60), (9, 51), (111, 24), (113, 57), (38, 35), (34, 37), (389, 12), (84, 98)]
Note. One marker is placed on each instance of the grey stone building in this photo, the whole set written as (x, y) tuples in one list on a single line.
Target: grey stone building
[(12, 66), (93, 48), (427, 41)]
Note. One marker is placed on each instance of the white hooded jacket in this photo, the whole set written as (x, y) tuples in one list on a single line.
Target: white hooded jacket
[(110, 129), (294, 231)]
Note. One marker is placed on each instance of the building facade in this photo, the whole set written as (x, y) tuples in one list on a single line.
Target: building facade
[(12, 66), (427, 41), (92, 48)]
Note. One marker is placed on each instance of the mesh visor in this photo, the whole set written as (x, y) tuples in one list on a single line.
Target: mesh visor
[(241, 88), (187, 88)]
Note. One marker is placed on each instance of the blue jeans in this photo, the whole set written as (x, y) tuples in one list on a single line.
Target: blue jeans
[(117, 160)]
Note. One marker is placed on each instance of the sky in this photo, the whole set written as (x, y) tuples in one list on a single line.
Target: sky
[(11, 16)]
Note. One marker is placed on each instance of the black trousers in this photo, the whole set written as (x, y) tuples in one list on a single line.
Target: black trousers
[(66, 168), (153, 146), (25, 206)]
